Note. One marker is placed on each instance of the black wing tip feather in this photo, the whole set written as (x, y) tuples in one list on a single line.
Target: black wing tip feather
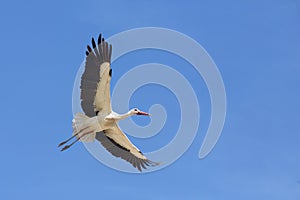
[(104, 51), (152, 163), (99, 39), (146, 163), (93, 43), (89, 48)]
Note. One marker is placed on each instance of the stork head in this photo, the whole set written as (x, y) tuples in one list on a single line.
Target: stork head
[(136, 111)]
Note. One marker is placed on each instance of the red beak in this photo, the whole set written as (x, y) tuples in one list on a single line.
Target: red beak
[(143, 113)]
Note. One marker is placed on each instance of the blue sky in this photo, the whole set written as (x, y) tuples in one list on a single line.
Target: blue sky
[(255, 45)]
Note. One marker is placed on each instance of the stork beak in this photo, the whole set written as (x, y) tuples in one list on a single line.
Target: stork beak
[(143, 113)]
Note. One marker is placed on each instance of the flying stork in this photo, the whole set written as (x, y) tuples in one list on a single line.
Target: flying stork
[(99, 121)]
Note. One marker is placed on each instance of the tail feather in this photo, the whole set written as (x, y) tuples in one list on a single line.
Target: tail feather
[(78, 122), (81, 124)]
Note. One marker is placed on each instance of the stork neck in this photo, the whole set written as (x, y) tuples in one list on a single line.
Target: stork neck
[(123, 116)]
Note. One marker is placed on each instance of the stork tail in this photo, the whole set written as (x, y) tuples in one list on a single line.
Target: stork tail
[(83, 125)]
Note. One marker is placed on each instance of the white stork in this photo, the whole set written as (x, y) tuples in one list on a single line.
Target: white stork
[(99, 121)]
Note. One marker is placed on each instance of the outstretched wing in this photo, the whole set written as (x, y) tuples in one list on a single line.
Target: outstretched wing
[(95, 81), (116, 142)]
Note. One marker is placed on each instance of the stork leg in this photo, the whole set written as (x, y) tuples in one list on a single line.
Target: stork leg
[(68, 146), (64, 142)]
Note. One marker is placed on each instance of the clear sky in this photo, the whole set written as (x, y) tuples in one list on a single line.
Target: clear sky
[(255, 45)]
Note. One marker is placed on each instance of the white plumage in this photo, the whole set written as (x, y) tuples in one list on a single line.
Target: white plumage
[(99, 121)]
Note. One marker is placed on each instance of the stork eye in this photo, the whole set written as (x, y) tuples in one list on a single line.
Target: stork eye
[(135, 109)]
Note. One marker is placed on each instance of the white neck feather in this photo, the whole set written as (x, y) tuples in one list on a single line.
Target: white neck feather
[(123, 116)]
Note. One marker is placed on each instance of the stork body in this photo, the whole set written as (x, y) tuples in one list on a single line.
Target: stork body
[(85, 128), (99, 121)]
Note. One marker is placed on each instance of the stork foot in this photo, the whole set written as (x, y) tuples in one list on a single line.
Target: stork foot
[(65, 147), (62, 143)]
